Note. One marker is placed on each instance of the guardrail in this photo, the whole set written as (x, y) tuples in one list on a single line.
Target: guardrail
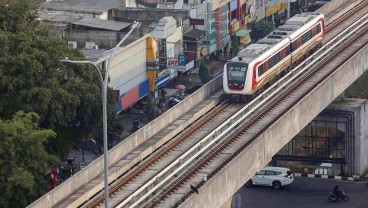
[(219, 133)]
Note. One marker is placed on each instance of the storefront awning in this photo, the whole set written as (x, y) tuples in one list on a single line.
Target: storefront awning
[(195, 34), (242, 32)]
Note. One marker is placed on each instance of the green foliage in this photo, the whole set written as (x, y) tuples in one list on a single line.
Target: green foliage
[(67, 97), (23, 159), (234, 47), (261, 29), (204, 74)]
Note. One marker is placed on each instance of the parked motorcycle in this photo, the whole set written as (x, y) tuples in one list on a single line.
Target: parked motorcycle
[(136, 125), (173, 101), (342, 196)]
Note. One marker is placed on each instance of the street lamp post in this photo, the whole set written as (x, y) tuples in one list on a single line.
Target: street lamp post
[(104, 102)]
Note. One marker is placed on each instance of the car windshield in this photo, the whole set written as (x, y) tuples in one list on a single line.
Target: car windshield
[(289, 172)]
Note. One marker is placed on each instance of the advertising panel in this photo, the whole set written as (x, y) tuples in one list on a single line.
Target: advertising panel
[(236, 26), (172, 62), (202, 52)]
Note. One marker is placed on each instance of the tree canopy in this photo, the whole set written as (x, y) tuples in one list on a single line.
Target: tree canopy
[(23, 159), (32, 79), (261, 29), (204, 73)]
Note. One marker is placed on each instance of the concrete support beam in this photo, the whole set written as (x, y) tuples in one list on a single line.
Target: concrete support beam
[(229, 180)]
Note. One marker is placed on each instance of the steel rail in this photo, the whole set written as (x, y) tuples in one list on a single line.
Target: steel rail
[(256, 102), (326, 51)]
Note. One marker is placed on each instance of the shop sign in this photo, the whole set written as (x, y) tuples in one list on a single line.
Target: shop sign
[(202, 52), (186, 67), (271, 10), (182, 60), (172, 62), (235, 27), (284, 5), (196, 21), (248, 19)]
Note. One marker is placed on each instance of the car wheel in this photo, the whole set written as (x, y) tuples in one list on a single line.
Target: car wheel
[(249, 183), (276, 185)]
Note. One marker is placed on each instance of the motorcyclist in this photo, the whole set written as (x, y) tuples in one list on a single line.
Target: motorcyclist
[(337, 191)]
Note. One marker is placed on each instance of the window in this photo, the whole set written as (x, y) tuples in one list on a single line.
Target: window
[(260, 70), (283, 53), (309, 35), (262, 172), (318, 27), (276, 58), (266, 66), (304, 38), (270, 173), (299, 42), (272, 62), (278, 173), (314, 31)]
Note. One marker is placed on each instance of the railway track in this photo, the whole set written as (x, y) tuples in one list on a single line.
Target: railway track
[(211, 163), (140, 176), (148, 174)]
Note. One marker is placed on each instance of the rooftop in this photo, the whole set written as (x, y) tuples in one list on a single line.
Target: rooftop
[(87, 21), (102, 24), (90, 6)]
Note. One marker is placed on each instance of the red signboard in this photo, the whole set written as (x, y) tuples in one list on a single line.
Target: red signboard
[(196, 21)]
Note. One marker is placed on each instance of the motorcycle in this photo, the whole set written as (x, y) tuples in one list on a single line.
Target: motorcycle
[(342, 196), (136, 126), (173, 101)]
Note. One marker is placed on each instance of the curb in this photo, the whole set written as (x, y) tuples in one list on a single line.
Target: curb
[(353, 178)]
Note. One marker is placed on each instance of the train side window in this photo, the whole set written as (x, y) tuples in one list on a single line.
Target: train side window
[(283, 53), (304, 38), (288, 50), (260, 70), (309, 35), (299, 42), (318, 27), (314, 32), (266, 66), (272, 62), (276, 58)]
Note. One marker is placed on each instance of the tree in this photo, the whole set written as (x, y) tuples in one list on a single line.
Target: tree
[(261, 29), (204, 74), (234, 47), (23, 159), (67, 97)]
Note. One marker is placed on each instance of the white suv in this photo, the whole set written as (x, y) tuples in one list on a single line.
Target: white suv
[(276, 177)]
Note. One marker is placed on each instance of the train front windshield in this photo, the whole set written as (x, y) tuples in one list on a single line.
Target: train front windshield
[(236, 74)]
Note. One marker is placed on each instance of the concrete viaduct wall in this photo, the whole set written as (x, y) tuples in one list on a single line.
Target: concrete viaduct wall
[(129, 144), (335, 8), (222, 187)]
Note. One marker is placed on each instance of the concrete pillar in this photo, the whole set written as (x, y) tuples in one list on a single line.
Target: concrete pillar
[(227, 204)]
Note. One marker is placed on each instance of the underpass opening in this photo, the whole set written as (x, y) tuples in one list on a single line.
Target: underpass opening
[(325, 146)]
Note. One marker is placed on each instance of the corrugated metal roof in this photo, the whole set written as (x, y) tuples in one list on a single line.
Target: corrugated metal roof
[(103, 24), (195, 34)]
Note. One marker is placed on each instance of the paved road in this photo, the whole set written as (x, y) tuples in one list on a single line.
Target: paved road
[(302, 193)]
